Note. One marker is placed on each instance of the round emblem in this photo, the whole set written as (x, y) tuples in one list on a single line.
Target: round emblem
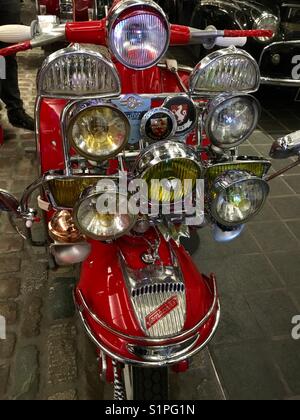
[(158, 124), (184, 110)]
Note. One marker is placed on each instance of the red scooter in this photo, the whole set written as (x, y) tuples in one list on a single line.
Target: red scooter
[(124, 139)]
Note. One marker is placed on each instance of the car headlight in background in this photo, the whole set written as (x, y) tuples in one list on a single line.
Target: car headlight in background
[(99, 132), (231, 120), (172, 162), (227, 70), (102, 226), (139, 33), (269, 22), (236, 197)]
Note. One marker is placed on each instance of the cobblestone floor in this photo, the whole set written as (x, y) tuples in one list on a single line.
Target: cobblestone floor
[(46, 355)]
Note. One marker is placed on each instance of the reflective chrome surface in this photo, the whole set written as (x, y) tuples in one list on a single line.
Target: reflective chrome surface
[(62, 228), (286, 146), (236, 81), (161, 353), (70, 254), (82, 305), (102, 78), (165, 151), (126, 5), (149, 290), (190, 353), (227, 121)]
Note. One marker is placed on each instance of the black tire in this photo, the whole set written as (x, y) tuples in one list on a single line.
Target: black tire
[(150, 384)]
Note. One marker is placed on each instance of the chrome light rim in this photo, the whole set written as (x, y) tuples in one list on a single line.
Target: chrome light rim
[(75, 112), (257, 26), (87, 195), (211, 59), (220, 100), (66, 52), (125, 5), (224, 182), (162, 151)]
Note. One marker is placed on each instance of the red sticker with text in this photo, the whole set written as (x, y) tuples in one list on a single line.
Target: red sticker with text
[(161, 312)]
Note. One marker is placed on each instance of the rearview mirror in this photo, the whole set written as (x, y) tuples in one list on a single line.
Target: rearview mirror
[(8, 202), (287, 146)]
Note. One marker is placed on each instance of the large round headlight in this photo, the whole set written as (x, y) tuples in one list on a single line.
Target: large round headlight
[(139, 33), (100, 222), (231, 120), (99, 132), (236, 197), (269, 22), (171, 170)]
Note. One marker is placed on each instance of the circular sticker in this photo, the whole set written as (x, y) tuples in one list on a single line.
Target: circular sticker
[(184, 110), (159, 124)]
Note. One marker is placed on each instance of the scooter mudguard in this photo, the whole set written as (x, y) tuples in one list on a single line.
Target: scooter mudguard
[(151, 315)]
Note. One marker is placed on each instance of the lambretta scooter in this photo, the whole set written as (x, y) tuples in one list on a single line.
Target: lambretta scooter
[(124, 137)]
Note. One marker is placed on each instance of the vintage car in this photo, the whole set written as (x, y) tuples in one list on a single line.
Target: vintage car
[(279, 57)]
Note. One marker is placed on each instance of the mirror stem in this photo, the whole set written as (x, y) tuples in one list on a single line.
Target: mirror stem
[(283, 171)]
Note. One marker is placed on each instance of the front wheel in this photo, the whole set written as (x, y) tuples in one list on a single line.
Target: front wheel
[(148, 384)]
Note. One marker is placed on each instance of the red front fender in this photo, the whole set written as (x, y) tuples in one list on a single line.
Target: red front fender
[(106, 307)]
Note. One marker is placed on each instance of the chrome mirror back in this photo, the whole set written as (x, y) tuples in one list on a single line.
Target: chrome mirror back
[(286, 147)]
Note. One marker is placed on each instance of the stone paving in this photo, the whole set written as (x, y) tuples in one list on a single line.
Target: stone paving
[(46, 355)]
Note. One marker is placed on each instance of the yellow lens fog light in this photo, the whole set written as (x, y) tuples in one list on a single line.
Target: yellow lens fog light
[(170, 169), (98, 132)]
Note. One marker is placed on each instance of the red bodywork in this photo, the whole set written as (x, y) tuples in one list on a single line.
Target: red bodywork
[(102, 296)]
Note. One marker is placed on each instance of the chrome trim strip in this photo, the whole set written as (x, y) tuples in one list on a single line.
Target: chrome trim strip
[(153, 339), (147, 353), (280, 82), (151, 364), (294, 42)]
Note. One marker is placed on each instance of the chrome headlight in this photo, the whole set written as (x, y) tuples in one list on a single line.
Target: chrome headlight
[(97, 222), (231, 120), (78, 71), (98, 131), (169, 164), (139, 33), (269, 22), (227, 70), (237, 196)]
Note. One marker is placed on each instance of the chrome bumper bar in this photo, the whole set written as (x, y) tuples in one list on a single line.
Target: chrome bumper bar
[(280, 82)]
